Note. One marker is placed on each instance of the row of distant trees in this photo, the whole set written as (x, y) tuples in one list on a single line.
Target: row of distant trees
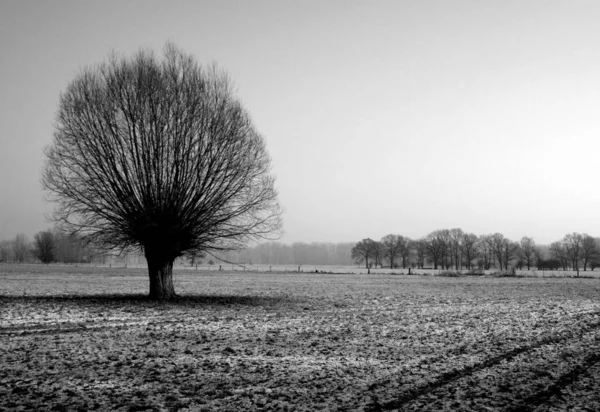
[(56, 246), (456, 249), (48, 246), (441, 249)]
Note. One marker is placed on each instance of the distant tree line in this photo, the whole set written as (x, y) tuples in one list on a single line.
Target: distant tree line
[(55, 246), (455, 249), (48, 246), (440, 249)]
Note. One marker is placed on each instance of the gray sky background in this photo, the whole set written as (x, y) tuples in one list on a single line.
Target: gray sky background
[(381, 117)]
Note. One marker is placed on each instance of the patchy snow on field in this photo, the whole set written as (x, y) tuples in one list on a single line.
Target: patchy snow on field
[(289, 341)]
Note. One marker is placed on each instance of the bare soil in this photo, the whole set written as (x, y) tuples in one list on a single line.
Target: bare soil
[(87, 339)]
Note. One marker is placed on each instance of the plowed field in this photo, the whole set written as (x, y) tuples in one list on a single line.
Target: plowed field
[(87, 339)]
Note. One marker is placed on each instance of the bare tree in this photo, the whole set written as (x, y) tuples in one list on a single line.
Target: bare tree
[(405, 250), (196, 257), (510, 251), (444, 237), (539, 256), (420, 247), (573, 243), (589, 250), (378, 253), (437, 247), (455, 245), (392, 245), (559, 252), (159, 155), (469, 249), (527, 249), (44, 247), (72, 248), (5, 250), (498, 248), (363, 251), (595, 261), (20, 248), (486, 247)]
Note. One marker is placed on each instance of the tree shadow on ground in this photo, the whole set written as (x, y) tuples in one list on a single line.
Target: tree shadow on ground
[(191, 300)]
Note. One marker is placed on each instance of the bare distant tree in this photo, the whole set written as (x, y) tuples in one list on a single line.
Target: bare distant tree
[(20, 248), (444, 236), (437, 247), (363, 251), (44, 247), (378, 253), (573, 244), (504, 249), (539, 256), (469, 249), (455, 246), (498, 241), (510, 251), (595, 261), (392, 245), (559, 252), (589, 250), (405, 250), (5, 250), (196, 257), (72, 248), (159, 155), (420, 247), (527, 251), (485, 245)]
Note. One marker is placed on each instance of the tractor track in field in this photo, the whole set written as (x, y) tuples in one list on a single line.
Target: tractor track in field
[(537, 399), (457, 374)]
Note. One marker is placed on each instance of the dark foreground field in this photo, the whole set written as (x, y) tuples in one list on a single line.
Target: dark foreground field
[(86, 339)]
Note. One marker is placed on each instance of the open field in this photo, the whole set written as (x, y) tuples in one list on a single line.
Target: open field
[(261, 268), (86, 339)]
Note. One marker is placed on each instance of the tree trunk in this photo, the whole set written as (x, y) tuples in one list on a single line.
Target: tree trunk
[(160, 271)]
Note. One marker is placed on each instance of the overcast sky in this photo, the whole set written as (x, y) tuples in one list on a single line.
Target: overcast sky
[(380, 117)]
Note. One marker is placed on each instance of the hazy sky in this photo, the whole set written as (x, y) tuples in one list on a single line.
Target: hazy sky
[(380, 117)]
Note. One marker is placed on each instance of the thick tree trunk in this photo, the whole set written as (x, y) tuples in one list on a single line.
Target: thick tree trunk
[(160, 271)]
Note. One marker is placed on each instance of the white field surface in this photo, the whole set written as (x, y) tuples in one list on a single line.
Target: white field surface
[(353, 269), (85, 338)]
